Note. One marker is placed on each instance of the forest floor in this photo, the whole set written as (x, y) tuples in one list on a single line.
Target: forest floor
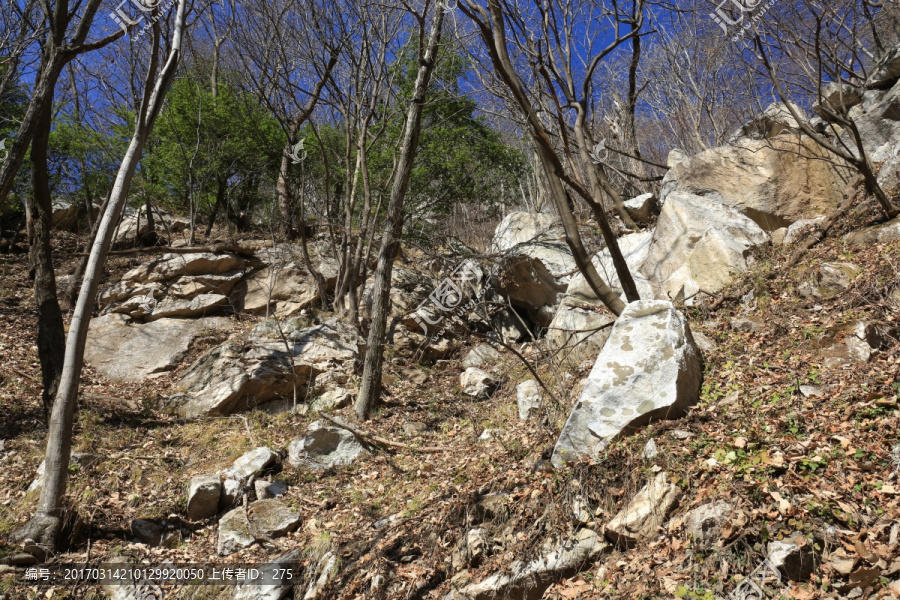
[(793, 466)]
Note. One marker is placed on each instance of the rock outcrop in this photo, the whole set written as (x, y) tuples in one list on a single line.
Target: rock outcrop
[(649, 369), (698, 244), (241, 374), (645, 513)]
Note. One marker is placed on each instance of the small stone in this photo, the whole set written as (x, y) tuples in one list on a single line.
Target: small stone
[(794, 562), (203, 497), (476, 542), (332, 400), (681, 434), (706, 345), (645, 513), (581, 514), (415, 428), (704, 524), (269, 489), (479, 356), (650, 450), (253, 463), (746, 325), (324, 447), (478, 383), (528, 397), (811, 391)]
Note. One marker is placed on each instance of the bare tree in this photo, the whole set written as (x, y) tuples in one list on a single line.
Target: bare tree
[(44, 527), (539, 35), (370, 384), (822, 57)]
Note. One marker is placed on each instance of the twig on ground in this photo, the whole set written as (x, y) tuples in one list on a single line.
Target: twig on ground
[(384, 442)]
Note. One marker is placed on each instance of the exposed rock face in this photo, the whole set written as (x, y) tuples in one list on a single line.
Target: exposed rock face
[(774, 182), (775, 120), (879, 130), (284, 287), (124, 351), (649, 369), (324, 447), (850, 344), (203, 497), (645, 513), (838, 98), (698, 244), (478, 383), (580, 317), (238, 375), (536, 264), (528, 582), (529, 399), (704, 524)]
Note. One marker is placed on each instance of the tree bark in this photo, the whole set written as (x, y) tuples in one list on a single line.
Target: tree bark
[(45, 525), (370, 385), (50, 331)]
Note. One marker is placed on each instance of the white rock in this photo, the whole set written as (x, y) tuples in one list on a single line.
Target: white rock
[(649, 369), (529, 399), (704, 524), (645, 513), (324, 447), (799, 230), (792, 561), (251, 464), (203, 496), (698, 244), (274, 584), (479, 356), (650, 450), (478, 383), (642, 208)]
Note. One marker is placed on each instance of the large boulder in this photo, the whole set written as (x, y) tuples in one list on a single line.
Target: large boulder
[(879, 130), (698, 244), (773, 181), (267, 519), (124, 351), (535, 264), (649, 369), (323, 447), (881, 234), (241, 374), (886, 71), (580, 323)]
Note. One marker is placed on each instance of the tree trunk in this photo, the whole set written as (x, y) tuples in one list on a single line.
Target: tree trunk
[(50, 331), (370, 385), (45, 525), (285, 202), (71, 292)]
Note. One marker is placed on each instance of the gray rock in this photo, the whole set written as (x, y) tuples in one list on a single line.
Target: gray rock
[(203, 497), (251, 464), (479, 356), (838, 98), (680, 434), (198, 306), (325, 569), (332, 400), (241, 374), (852, 343), (171, 266), (811, 391), (703, 342), (778, 236), (650, 450), (535, 265), (699, 244), (282, 289), (792, 561), (324, 447), (775, 120), (704, 524), (643, 208), (124, 351), (646, 512), (886, 71), (529, 581), (676, 156), (147, 532), (478, 383), (269, 489), (415, 428), (830, 279), (649, 369), (234, 533), (799, 230), (882, 234), (529, 399), (232, 494), (269, 518), (746, 324)]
